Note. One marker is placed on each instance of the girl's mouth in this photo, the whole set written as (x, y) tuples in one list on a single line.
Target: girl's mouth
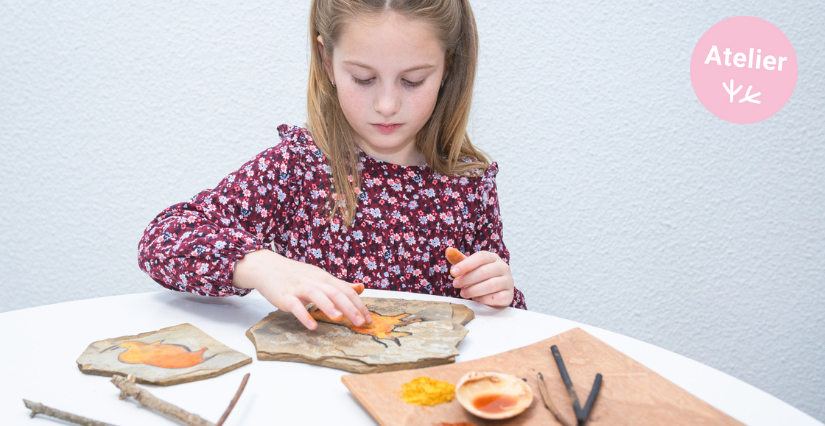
[(386, 128)]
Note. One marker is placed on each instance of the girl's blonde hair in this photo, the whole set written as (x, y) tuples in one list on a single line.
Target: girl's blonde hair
[(443, 140)]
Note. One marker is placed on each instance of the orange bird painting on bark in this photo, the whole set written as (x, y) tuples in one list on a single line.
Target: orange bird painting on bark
[(159, 354)]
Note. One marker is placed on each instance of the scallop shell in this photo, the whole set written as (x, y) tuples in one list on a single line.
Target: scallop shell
[(477, 385)]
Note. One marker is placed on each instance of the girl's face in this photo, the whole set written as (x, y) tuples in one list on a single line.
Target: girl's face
[(388, 72)]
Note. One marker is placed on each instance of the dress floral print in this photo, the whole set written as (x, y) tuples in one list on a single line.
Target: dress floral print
[(407, 216)]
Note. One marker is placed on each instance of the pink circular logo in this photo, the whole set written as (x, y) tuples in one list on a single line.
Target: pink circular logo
[(743, 69)]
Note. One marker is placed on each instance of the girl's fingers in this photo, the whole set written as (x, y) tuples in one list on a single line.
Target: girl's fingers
[(351, 292), (348, 301), (472, 262), (322, 302), (294, 305), (500, 299), (351, 305), (351, 302), (490, 286), (480, 274)]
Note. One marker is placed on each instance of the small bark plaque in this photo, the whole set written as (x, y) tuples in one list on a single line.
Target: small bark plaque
[(404, 334), (169, 356)]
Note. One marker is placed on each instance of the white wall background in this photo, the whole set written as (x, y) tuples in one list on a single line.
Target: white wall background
[(626, 204)]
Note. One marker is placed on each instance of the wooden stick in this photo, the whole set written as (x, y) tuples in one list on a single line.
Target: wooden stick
[(128, 388), (237, 396), (549, 403), (38, 408)]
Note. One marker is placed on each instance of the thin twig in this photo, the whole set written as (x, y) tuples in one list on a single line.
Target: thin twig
[(38, 408), (128, 388), (234, 400), (549, 403)]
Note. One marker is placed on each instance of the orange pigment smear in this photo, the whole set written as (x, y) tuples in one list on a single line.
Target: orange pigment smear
[(160, 355), (381, 327)]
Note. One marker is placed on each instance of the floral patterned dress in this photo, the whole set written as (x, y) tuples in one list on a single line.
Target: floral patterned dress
[(407, 216)]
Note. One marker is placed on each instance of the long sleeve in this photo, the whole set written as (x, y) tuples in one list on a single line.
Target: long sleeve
[(193, 246), (488, 232)]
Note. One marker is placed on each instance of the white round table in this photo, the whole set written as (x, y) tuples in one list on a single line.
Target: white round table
[(41, 345)]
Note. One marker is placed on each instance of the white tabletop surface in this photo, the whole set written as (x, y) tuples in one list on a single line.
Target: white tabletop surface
[(41, 346)]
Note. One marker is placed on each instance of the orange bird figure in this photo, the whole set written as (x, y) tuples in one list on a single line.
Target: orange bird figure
[(159, 354), (382, 327)]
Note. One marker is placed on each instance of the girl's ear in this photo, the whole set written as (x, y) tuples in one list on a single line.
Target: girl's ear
[(324, 60)]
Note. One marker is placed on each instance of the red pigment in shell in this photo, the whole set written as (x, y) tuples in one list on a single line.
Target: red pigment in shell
[(494, 404)]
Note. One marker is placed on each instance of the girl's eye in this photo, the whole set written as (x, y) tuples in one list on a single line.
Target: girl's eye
[(363, 82), (367, 81)]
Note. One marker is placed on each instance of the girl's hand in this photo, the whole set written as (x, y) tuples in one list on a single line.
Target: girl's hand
[(482, 276), (290, 285)]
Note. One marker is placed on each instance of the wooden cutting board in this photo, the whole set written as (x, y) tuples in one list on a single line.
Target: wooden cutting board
[(631, 393)]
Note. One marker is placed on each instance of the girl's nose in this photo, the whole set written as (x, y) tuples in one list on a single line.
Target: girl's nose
[(388, 100)]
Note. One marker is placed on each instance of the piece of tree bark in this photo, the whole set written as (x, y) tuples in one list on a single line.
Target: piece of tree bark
[(128, 388), (38, 408)]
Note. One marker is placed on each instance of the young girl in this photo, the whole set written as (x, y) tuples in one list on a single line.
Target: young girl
[(379, 184)]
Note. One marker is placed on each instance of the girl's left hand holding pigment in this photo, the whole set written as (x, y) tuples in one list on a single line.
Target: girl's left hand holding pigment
[(485, 278)]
